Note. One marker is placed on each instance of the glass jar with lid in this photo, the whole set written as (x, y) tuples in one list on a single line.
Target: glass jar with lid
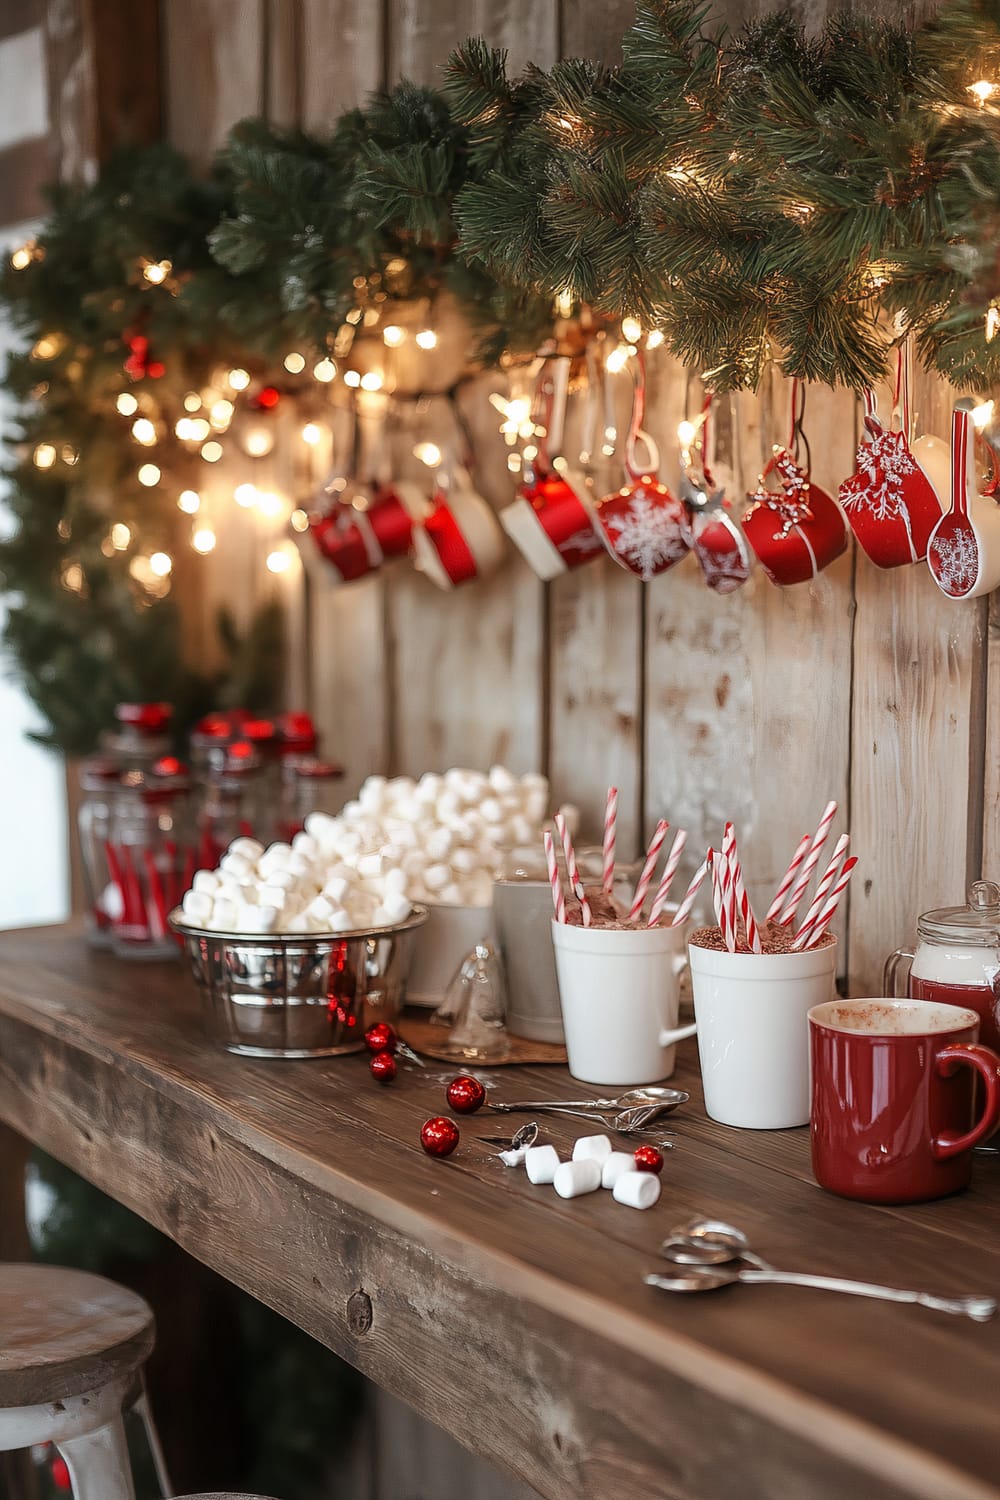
[(233, 801), (141, 737), (98, 777), (956, 960), (150, 857), (307, 785)]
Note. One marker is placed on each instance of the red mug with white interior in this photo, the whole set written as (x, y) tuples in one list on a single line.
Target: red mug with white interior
[(894, 1098)]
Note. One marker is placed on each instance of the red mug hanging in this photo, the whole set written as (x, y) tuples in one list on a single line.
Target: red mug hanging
[(345, 537), (964, 551), (645, 527), (796, 530), (460, 539), (549, 522), (716, 540), (890, 502)]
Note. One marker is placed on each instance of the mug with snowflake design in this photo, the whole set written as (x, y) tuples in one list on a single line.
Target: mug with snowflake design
[(964, 551), (890, 500), (645, 527), (797, 529)]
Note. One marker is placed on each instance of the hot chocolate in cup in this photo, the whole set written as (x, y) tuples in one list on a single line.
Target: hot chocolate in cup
[(753, 1036)]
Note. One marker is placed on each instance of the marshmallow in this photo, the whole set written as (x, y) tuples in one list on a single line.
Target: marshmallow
[(274, 858), (615, 1165), (259, 918), (464, 861), (439, 844), (490, 810), (451, 895), (320, 909), (436, 877), (593, 1148), (197, 906), (250, 849), (637, 1189), (514, 1158), (572, 1178), (223, 915), (236, 864), (304, 843), (207, 881), (394, 883), (273, 895), (335, 889), (541, 1164), (395, 908), (502, 780), (341, 921)]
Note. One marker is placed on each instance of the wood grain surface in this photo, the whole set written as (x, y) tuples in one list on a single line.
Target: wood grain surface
[(515, 1320)]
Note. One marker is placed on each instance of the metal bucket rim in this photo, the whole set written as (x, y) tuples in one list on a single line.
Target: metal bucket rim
[(417, 918)]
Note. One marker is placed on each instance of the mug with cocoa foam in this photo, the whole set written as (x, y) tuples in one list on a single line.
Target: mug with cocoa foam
[(751, 1011), (893, 1098)]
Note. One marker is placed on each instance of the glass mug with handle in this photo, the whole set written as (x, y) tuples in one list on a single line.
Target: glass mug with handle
[(956, 960)]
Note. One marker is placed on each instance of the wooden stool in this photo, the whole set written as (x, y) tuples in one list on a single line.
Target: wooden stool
[(72, 1348)]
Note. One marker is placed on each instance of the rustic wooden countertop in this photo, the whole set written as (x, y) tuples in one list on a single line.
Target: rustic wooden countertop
[(515, 1320)]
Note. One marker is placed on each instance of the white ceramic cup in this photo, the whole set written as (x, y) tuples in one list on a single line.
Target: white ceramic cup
[(753, 1034), (619, 992)]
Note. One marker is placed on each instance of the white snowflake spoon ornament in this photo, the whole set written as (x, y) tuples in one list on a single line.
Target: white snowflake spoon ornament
[(644, 526), (964, 551)]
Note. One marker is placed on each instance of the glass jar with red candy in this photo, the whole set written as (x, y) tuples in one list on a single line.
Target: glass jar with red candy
[(142, 735), (233, 801), (98, 777), (307, 785), (150, 857)]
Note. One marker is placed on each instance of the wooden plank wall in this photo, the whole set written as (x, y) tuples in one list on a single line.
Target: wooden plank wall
[(866, 686)]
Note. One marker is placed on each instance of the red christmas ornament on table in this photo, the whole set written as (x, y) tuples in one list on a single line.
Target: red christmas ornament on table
[(648, 1159), (439, 1136), (466, 1094), (381, 1037), (889, 500), (382, 1066), (796, 530)]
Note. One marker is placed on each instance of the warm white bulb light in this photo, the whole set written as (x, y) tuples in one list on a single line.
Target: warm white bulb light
[(189, 501), (238, 379), (325, 371), (211, 452), (121, 535), (144, 432), (428, 453), (427, 338), (686, 434), (258, 442), (352, 378), (631, 330), (295, 363), (44, 456), (372, 381), (278, 562), (126, 404), (149, 475), (245, 495), (982, 415), (203, 540), (311, 434), (982, 89), (160, 564), (392, 336)]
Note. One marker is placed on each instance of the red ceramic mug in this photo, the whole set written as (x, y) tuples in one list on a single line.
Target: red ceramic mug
[(893, 1096)]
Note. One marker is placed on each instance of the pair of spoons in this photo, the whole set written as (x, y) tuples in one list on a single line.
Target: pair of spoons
[(528, 1135), (708, 1254), (627, 1113)]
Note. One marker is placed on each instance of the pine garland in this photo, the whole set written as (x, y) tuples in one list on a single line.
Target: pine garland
[(759, 197)]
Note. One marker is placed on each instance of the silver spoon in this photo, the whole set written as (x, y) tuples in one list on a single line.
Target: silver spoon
[(713, 1249), (706, 1278), (526, 1136), (663, 1099)]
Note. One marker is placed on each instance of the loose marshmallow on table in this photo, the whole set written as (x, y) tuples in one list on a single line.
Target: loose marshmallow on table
[(615, 1166), (573, 1178), (637, 1189), (593, 1148), (541, 1164)]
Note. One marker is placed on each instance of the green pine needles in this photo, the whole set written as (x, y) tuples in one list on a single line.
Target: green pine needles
[(758, 197)]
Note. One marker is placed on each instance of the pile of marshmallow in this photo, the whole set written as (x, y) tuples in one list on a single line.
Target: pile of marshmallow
[(595, 1164), (445, 832), (439, 839)]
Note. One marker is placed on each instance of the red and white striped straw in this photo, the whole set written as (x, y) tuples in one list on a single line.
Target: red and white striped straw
[(826, 916), (822, 891), (720, 898), (575, 883), (684, 910), (610, 831), (787, 878), (558, 899), (652, 855), (739, 889), (812, 859), (669, 871)]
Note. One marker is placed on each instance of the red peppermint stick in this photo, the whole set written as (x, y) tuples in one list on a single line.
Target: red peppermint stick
[(575, 883), (669, 871), (610, 830), (684, 910), (787, 878), (827, 914), (558, 900), (811, 860), (720, 871), (652, 855), (739, 889), (822, 891)]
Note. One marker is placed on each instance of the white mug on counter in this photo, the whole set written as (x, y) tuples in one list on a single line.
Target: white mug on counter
[(753, 1033), (620, 994)]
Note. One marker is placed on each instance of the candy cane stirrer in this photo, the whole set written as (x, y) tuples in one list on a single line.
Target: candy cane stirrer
[(822, 892), (720, 898), (652, 855), (610, 830), (739, 889), (812, 859), (787, 878), (558, 899), (827, 914), (684, 910), (670, 870), (575, 883)]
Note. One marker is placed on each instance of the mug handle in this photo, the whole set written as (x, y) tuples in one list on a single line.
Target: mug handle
[(679, 963), (680, 1033), (892, 963), (987, 1065)]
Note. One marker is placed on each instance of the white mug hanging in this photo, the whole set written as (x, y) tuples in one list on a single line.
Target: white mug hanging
[(964, 551), (460, 539)]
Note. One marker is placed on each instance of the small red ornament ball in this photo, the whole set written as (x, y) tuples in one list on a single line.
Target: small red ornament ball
[(439, 1136), (466, 1094), (60, 1473), (648, 1159), (383, 1067), (381, 1037)]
